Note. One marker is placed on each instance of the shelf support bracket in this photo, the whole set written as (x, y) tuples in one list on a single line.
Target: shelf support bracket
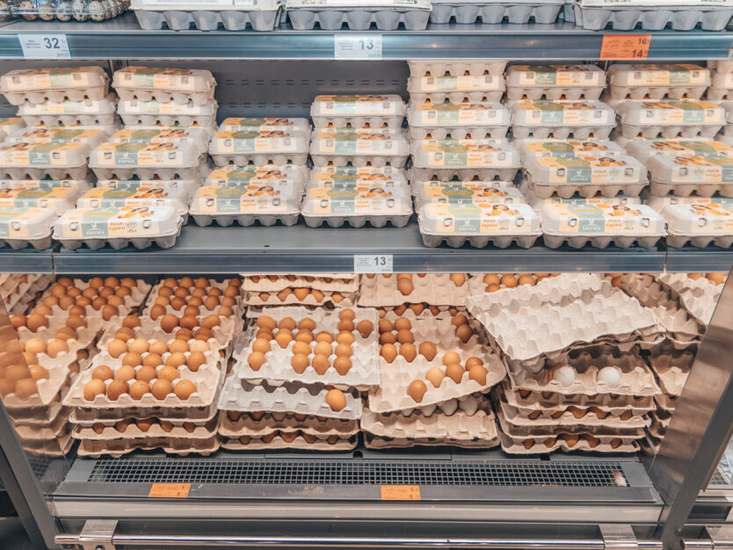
[(97, 534), (618, 536)]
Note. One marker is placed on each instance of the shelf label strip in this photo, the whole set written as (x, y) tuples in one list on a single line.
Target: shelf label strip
[(625, 46), (44, 46), (357, 46)]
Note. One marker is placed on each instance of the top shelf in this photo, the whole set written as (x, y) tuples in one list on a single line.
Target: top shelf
[(122, 38)]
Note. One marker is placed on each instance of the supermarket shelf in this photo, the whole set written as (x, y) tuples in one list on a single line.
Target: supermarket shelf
[(231, 250), (700, 260), (122, 38), (26, 261)]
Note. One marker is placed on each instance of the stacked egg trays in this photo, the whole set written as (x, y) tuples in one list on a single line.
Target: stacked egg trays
[(20, 291), (299, 377), (336, 290), (156, 379), (579, 382), (58, 337)]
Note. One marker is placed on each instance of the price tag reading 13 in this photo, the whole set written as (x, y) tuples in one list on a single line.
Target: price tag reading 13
[(625, 46), (357, 46)]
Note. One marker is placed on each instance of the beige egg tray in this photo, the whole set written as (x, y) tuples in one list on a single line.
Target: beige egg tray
[(548, 400), (672, 370), (237, 312), (84, 335), (327, 320), (179, 429), (213, 283), (437, 312), (457, 68), (276, 442), (476, 284), (543, 445), (247, 425), (175, 446), (136, 297), (699, 296), (60, 377), (433, 288), (48, 431), (49, 448), (666, 402), (252, 298), (337, 282), (238, 395), (375, 442)]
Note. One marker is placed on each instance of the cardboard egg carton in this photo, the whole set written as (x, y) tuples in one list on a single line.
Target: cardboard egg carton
[(221, 285), (290, 440), (47, 430), (175, 446), (699, 296), (567, 443), (477, 285), (671, 362), (345, 283), (164, 84), (268, 299), (358, 15), (37, 86), (238, 395), (433, 288), (666, 402), (268, 423), (582, 81), (599, 15), (457, 68), (46, 449), (106, 430)]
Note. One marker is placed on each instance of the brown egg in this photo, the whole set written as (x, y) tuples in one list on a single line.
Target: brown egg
[(201, 282), (36, 322), (388, 352), (365, 328), (131, 321), (283, 338), (261, 345), (191, 311), (211, 303), (140, 345), (65, 333), (408, 351), (307, 324), (58, 290), (168, 323), (132, 359), (458, 279), (161, 388), (18, 321), (43, 310), (102, 372), (181, 293), (345, 338), (346, 325), (146, 374), (6, 387), (152, 360), (125, 334), (264, 296), (210, 321), (454, 371), (344, 350), (111, 282), (509, 280), (38, 372), (300, 347), (491, 279), (195, 360), (428, 350), (347, 314), (385, 326), (184, 334), (342, 365), (417, 309), (264, 333), (301, 293), (184, 389), (320, 296), (299, 363), (98, 303), (178, 346), (402, 324), (162, 301), (170, 282), (159, 347), (464, 333), (203, 335), (82, 302), (144, 425), (287, 323), (323, 348), (30, 358), (405, 287), (417, 390), (324, 336), (473, 361), (17, 372), (109, 311), (320, 363), (188, 322), (65, 302), (435, 376), (121, 292), (50, 301), (175, 360), (138, 389), (75, 322), (478, 374), (256, 360), (526, 280), (199, 293), (92, 389), (25, 388), (387, 338), (195, 301), (116, 389), (451, 357), (125, 373), (336, 400), (168, 373), (35, 345), (304, 336), (166, 426), (716, 278), (283, 294), (265, 321), (405, 336)]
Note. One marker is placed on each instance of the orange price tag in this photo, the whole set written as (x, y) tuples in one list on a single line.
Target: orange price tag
[(169, 490), (400, 492), (625, 46)]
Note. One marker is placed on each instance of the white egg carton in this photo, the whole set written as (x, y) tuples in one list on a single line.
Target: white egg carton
[(479, 120), (672, 369), (657, 81), (337, 206), (487, 159), (456, 88), (58, 84), (209, 129), (561, 148), (233, 15), (579, 223), (460, 67), (479, 193), (359, 146), (165, 160), (170, 445), (164, 84), (21, 227), (253, 124), (573, 82), (721, 86), (699, 296), (136, 198), (433, 288), (234, 425), (561, 119), (118, 227), (287, 398), (645, 149), (58, 199), (109, 428), (258, 147), (288, 297), (360, 177), (43, 134), (10, 126), (670, 118), (358, 111), (282, 439), (167, 113), (597, 15), (44, 160), (87, 112), (494, 13), (359, 15), (247, 205), (700, 225), (195, 135), (288, 175)]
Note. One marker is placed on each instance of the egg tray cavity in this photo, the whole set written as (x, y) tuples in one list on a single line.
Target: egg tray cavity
[(345, 283), (85, 336), (136, 297), (246, 425), (278, 443), (433, 288), (672, 367)]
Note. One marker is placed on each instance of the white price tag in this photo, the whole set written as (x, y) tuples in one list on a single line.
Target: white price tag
[(372, 263), (44, 46), (357, 46)]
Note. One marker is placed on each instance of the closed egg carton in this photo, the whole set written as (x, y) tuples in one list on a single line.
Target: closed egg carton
[(68, 112), (164, 84), (141, 429), (656, 81), (359, 147), (44, 160), (531, 445), (300, 295), (146, 160), (431, 288), (460, 67), (645, 149), (721, 86), (580, 119), (282, 439), (670, 118), (581, 81), (286, 176), (178, 16), (259, 147), (289, 398), (635, 378), (345, 283), (459, 120), (9, 126), (194, 135), (43, 134), (174, 446), (190, 186), (698, 294), (27, 227), (167, 113), (37, 86), (700, 225), (521, 12), (439, 88), (234, 424), (563, 148), (358, 111)]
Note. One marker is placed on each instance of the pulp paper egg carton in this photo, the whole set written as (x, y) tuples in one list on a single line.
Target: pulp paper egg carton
[(111, 429), (580, 119), (455, 88), (18, 291), (271, 124), (238, 308), (339, 205), (237, 395), (39, 85), (565, 176), (478, 193), (167, 113), (50, 392), (358, 111), (358, 177), (419, 311), (192, 134), (59, 134), (291, 296), (699, 295), (485, 159), (208, 16), (36, 431), (346, 283), (234, 425), (672, 369), (700, 225), (526, 332), (684, 16), (118, 227), (494, 13), (288, 175), (84, 335), (259, 147), (657, 81), (721, 86), (666, 403), (645, 149), (562, 148), (86, 112), (164, 84), (479, 283), (359, 147), (573, 82), (165, 160), (44, 160), (282, 439), (170, 445), (465, 119), (58, 199), (177, 199), (460, 429), (10, 126), (434, 288), (457, 68), (360, 15), (670, 118), (22, 227)]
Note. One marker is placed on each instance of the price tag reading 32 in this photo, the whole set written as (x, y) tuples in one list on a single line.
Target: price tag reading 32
[(44, 46), (625, 46), (373, 263), (357, 46)]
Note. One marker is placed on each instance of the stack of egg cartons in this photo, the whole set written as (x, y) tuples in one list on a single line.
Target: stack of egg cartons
[(577, 380), (44, 165), (435, 366), (338, 289), (359, 151), (261, 173), (463, 165), (298, 378), (157, 377), (664, 124)]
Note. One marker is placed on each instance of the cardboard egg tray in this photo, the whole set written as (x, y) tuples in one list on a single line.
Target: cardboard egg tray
[(433, 288), (290, 440), (476, 284), (268, 299), (671, 362), (494, 13), (62, 372), (46, 449), (194, 429), (37, 86), (213, 283), (547, 400), (493, 89), (247, 425), (531, 445), (174, 446), (177, 85), (238, 395), (699, 296), (345, 283), (135, 298), (621, 17), (333, 14), (50, 430), (458, 68), (422, 312)]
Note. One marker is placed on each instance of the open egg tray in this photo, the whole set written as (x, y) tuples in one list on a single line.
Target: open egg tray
[(170, 445), (699, 296), (135, 298), (476, 284), (433, 288), (494, 13), (193, 429), (295, 440), (213, 283), (76, 84), (346, 283), (256, 299), (333, 14), (246, 425), (672, 367), (48, 430), (51, 391), (652, 18), (84, 335)]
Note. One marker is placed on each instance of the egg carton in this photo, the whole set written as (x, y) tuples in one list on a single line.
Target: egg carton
[(455, 89), (646, 149), (9, 126), (43, 134), (101, 110), (699, 296), (561, 119), (480, 120), (116, 448), (696, 190), (266, 124), (164, 84), (672, 370), (485, 159), (44, 160), (358, 111), (146, 161), (657, 81), (290, 440), (269, 423), (699, 225), (244, 147), (456, 68), (237, 395), (177, 199), (156, 14), (180, 137), (85, 336), (469, 193), (359, 147), (469, 11), (135, 298), (721, 86), (572, 82), (338, 206), (685, 175), (39, 85), (433, 288), (333, 298), (652, 17), (539, 149), (346, 283), (477, 285), (333, 14), (25, 227), (62, 372), (106, 430), (267, 174), (670, 118)]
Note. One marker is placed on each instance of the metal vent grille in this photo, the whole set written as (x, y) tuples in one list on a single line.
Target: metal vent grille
[(39, 467), (719, 477), (357, 472)]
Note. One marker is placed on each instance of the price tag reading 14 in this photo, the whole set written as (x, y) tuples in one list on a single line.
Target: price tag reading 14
[(625, 46), (357, 46)]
